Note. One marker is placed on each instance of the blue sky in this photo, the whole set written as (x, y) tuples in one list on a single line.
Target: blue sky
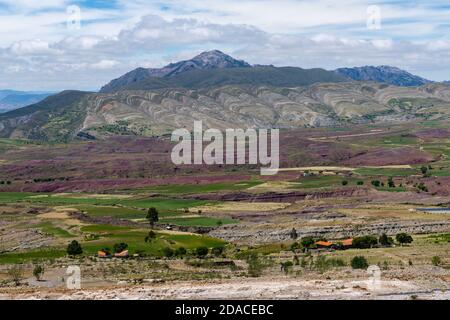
[(39, 51)]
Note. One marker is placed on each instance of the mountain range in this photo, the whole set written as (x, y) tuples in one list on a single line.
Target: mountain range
[(12, 99), (227, 93), (384, 74)]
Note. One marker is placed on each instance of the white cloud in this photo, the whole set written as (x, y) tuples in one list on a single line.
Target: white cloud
[(319, 33)]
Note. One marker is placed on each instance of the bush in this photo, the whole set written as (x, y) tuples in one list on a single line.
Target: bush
[(168, 252), (120, 247), (151, 235), (217, 251), (359, 262), (74, 248), (376, 183), (424, 169), (307, 242), (16, 274), (391, 183), (436, 261), (201, 252), (403, 238), (38, 272), (255, 267), (181, 251), (384, 240), (364, 242)]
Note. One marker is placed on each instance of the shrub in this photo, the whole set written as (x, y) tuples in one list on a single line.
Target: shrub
[(38, 272), (384, 240), (120, 247), (181, 251), (74, 248), (423, 169), (391, 183), (217, 251), (436, 261), (201, 252), (364, 242), (168, 252), (376, 183), (16, 274), (286, 265), (359, 262), (307, 242), (151, 235), (255, 267), (403, 238)]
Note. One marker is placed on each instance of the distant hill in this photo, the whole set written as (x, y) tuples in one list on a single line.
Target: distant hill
[(12, 99), (73, 114), (384, 74), (63, 113)]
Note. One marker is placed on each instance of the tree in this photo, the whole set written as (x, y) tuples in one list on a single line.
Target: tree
[(120, 247), (307, 242), (391, 182), (403, 238), (293, 234), (152, 216), (364, 242), (384, 240), (168, 252), (424, 170), (74, 248), (344, 182), (151, 235), (16, 274), (38, 272), (359, 262), (201, 252), (360, 183), (376, 183)]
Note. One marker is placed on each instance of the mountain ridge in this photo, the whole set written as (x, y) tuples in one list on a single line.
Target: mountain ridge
[(383, 74)]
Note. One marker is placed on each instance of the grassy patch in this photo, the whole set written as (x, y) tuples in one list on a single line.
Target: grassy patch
[(48, 227), (35, 255), (203, 188)]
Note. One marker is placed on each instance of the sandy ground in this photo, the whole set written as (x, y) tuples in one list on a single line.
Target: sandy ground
[(264, 288)]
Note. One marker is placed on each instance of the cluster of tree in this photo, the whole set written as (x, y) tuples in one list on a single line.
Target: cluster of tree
[(365, 242), (5, 182), (199, 252), (378, 183)]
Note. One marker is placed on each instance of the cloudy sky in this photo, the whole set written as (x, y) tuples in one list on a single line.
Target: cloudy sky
[(62, 44)]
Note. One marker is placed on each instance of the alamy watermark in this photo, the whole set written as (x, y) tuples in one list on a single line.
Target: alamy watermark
[(73, 21), (239, 147), (373, 21)]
